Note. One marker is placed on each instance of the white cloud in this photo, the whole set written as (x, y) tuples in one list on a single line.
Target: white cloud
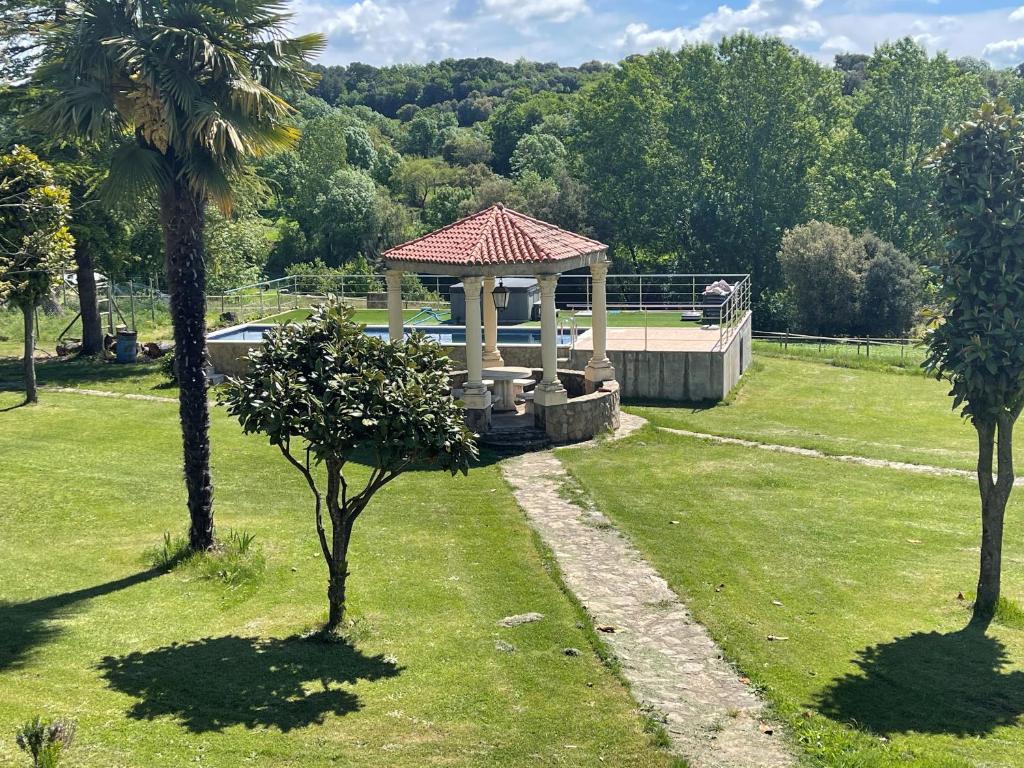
[(570, 31), (1005, 53), (789, 19), (838, 44), (535, 10)]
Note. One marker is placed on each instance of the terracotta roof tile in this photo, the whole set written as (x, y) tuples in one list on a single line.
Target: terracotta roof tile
[(496, 235)]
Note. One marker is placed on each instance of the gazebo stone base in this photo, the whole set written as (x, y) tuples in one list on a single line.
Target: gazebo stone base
[(492, 359), (478, 410), (580, 417), (550, 394), (596, 375)]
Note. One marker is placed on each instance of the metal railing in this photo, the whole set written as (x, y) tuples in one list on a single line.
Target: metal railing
[(136, 302)]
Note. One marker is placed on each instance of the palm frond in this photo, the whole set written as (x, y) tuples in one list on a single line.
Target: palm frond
[(134, 170), (209, 180)]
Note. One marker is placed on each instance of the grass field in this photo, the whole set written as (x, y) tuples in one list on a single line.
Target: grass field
[(855, 572), (168, 669), (837, 410), (886, 358)]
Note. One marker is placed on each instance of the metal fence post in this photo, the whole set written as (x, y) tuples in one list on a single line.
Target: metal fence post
[(277, 287), (131, 300), (110, 307)]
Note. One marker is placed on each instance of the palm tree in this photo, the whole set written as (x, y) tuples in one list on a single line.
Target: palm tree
[(198, 86)]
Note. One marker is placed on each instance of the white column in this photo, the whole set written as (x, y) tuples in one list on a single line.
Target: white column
[(492, 356), (476, 394), (396, 329), (599, 368), (550, 390)]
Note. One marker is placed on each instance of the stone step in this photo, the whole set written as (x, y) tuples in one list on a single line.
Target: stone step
[(510, 441)]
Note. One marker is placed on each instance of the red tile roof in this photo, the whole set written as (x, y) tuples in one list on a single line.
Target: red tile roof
[(496, 235)]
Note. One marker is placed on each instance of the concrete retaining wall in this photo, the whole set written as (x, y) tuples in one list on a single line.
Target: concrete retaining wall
[(648, 375), (679, 376), (229, 357)]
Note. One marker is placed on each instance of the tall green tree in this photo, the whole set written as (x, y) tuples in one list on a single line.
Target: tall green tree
[(979, 344), (878, 177), (747, 127), (35, 244), (620, 148), (198, 89)]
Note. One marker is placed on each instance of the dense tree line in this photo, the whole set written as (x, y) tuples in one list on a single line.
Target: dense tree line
[(696, 160)]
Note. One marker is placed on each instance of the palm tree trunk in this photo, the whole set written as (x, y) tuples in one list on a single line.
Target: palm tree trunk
[(182, 218), (31, 394), (92, 323)]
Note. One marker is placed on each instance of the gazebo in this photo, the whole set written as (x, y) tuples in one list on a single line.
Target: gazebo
[(499, 242)]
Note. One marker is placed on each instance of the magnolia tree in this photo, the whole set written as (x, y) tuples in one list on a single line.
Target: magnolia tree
[(35, 245), (326, 394), (979, 345)]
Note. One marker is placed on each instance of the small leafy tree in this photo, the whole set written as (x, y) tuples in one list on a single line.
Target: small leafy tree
[(979, 346), (326, 394), (35, 245)]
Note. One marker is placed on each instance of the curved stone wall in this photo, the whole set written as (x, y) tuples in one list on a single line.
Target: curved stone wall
[(583, 416)]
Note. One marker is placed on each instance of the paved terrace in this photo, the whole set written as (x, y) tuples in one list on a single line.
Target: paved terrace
[(685, 339)]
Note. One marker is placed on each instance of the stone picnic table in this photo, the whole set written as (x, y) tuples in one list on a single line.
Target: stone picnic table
[(504, 377)]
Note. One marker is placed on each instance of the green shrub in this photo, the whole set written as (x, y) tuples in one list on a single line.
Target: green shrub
[(821, 266), (890, 290)]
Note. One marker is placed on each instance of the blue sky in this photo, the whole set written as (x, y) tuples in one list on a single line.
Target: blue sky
[(571, 31)]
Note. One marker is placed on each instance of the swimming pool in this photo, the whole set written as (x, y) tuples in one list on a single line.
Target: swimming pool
[(443, 334)]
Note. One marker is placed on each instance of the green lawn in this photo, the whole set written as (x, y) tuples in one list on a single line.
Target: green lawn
[(887, 357), (166, 669), (857, 569), (837, 410)]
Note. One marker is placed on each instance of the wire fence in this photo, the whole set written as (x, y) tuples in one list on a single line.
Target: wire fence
[(904, 352)]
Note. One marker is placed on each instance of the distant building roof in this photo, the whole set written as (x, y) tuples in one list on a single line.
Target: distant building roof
[(496, 241), (513, 283)]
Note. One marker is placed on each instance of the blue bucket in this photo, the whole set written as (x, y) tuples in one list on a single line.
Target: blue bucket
[(127, 348)]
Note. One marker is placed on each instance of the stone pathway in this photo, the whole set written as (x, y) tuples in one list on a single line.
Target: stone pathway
[(15, 386), (675, 670), (923, 469)]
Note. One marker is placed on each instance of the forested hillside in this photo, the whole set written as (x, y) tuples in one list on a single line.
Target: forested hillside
[(697, 160)]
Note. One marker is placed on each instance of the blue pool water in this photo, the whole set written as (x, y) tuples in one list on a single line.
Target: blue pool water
[(443, 334)]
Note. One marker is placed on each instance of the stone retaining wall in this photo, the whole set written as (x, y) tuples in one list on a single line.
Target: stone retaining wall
[(582, 416), (522, 355)]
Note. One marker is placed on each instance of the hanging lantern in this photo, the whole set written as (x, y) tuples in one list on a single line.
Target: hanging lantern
[(500, 294)]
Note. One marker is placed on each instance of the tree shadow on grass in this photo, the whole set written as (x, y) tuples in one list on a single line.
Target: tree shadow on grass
[(74, 371), (24, 626), (929, 683), (218, 682)]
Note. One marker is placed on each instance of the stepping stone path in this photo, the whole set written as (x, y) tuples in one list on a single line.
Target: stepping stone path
[(674, 669)]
